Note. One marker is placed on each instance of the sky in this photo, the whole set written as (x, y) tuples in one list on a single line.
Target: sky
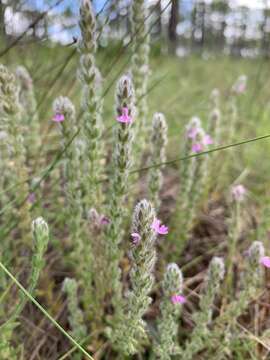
[(251, 3), (185, 3)]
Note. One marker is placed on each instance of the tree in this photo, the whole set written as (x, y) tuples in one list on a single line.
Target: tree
[(221, 9), (198, 24), (2, 20), (173, 21), (264, 30)]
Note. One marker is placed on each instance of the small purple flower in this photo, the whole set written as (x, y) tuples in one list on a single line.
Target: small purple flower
[(239, 87), (265, 261), (98, 220), (178, 299), (136, 238), (124, 117), (207, 140), (238, 192), (104, 220), (31, 198), (58, 117), (192, 132), (159, 229), (197, 147)]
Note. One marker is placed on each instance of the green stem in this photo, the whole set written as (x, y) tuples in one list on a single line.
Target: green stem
[(219, 148)]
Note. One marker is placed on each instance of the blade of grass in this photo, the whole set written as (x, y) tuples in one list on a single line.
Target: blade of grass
[(73, 349), (219, 148)]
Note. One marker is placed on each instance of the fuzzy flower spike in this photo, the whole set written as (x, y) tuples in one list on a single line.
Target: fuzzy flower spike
[(170, 307), (158, 142), (130, 328), (193, 128)]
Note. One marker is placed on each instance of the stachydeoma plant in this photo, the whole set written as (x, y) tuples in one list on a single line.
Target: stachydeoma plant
[(128, 328), (166, 343), (119, 296), (140, 70), (11, 120), (30, 119), (204, 317), (119, 186), (193, 179), (159, 139), (92, 122), (76, 318)]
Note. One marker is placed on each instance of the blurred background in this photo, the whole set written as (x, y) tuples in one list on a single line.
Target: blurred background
[(196, 46), (235, 27)]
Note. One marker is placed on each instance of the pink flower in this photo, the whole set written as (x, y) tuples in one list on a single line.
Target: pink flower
[(239, 87), (192, 132), (265, 260), (58, 117), (178, 299), (159, 229), (104, 220), (238, 192), (136, 238), (197, 147), (207, 140), (125, 117)]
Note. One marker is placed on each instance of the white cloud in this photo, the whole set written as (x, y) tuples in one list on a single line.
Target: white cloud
[(253, 4), (16, 23)]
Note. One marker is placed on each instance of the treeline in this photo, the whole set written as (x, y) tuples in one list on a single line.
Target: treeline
[(199, 25), (182, 26)]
